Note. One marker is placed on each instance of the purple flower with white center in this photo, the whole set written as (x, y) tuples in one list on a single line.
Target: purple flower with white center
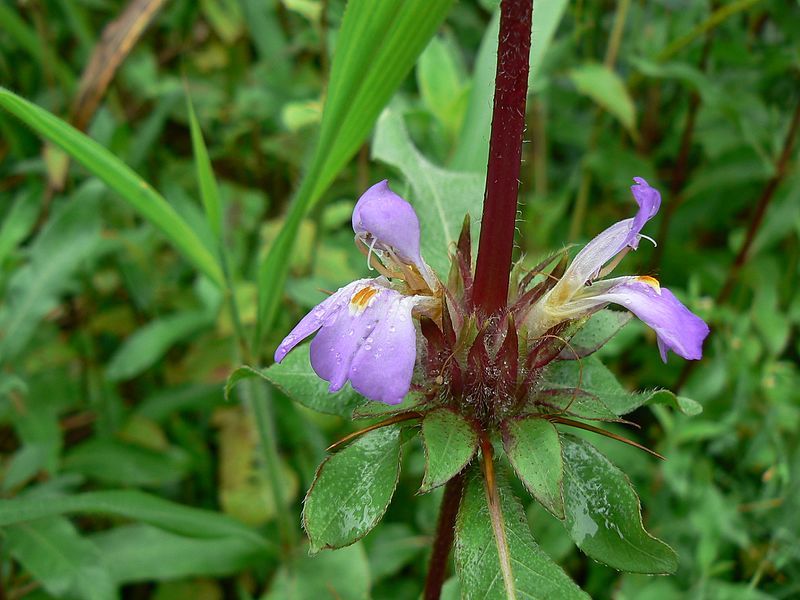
[(676, 327), (366, 334)]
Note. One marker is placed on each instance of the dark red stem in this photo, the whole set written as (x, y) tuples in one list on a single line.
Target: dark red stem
[(505, 151), (761, 207), (445, 532)]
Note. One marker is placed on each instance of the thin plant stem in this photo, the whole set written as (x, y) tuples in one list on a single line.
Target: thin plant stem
[(615, 39), (608, 434), (539, 126), (445, 533), (385, 423), (761, 208), (585, 185), (715, 19), (681, 171), (755, 221), (496, 244), (259, 398)]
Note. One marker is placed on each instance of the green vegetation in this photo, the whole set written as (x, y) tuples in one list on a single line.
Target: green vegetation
[(199, 205)]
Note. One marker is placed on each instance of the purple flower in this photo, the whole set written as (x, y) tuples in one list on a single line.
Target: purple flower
[(386, 225), (366, 334), (676, 327)]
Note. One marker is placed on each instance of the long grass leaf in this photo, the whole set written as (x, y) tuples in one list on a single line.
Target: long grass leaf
[(378, 45), (119, 177)]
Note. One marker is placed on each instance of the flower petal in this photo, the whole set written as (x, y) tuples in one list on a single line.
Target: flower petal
[(371, 341), (383, 367), (678, 329), (649, 200), (390, 220), (322, 314), (589, 261)]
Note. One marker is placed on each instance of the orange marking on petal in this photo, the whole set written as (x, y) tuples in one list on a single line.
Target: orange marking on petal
[(651, 281), (362, 299)]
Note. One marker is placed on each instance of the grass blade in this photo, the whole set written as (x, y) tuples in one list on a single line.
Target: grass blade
[(209, 192), (119, 177), (378, 44)]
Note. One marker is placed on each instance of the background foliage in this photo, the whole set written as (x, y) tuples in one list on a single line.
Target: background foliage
[(124, 469)]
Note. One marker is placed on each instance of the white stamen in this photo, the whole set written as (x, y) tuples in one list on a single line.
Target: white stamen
[(649, 239), (369, 254)]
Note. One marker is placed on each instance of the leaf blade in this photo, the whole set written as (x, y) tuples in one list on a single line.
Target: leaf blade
[(596, 494), (440, 197), (605, 87), (534, 450), (209, 192), (352, 490), (119, 177), (378, 44), (450, 442), (533, 576)]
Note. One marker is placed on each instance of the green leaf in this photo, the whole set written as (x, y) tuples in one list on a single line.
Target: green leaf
[(209, 192), (607, 89), (440, 197), (575, 402), (19, 220), (392, 546), (343, 574), (603, 514), (130, 504), (512, 566), (376, 410), (144, 553), (118, 463), (592, 377), (119, 177), (60, 559), (150, 342), (295, 378), (440, 78), (534, 450), (42, 53), (450, 442), (352, 490), (599, 329), (377, 47), (69, 238)]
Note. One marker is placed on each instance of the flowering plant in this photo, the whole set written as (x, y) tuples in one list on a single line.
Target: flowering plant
[(468, 381), (366, 333), (481, 363)]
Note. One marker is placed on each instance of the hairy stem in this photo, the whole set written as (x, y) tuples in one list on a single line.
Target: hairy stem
[(445, 532), (505, 151)]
